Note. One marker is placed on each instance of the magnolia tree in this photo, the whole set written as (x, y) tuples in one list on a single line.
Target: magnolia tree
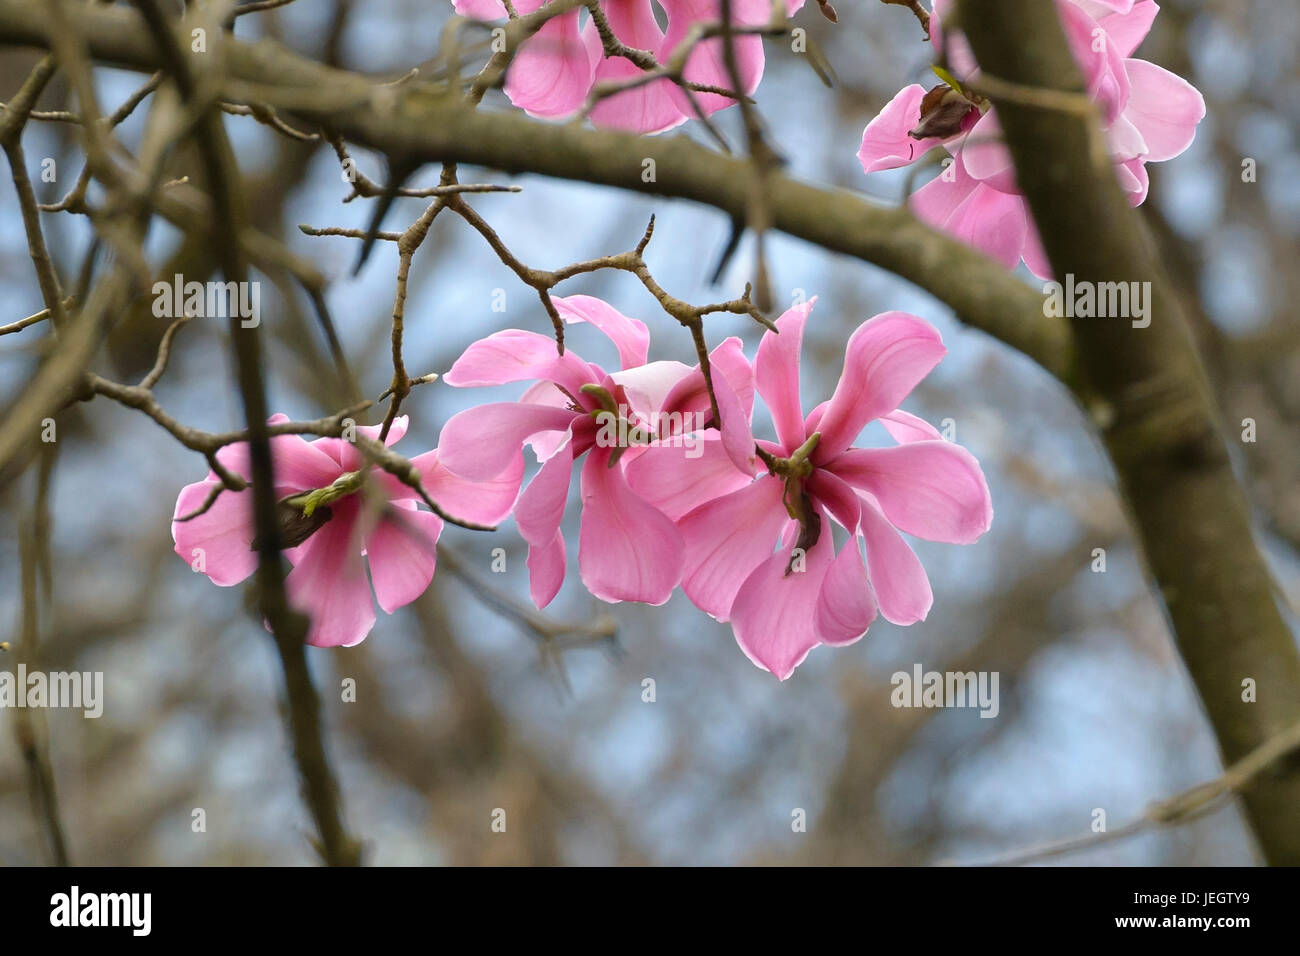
[(1035, 126)]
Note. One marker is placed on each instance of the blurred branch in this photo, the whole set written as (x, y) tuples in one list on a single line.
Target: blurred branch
[(320, 789), (30, 729), (40, 316), (763, 161), (11, 129), (604, 628)]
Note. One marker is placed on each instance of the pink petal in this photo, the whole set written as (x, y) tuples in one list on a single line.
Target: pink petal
[(886, 357), (885, 143), (1128, 28), (223, 534), (481, 9), (348, 455), (974, 212), (986, 157), (728, 359), (630, 336), (737, 436), (1095, 8), (707, 62), (814, 419), (846, 605), (627, 549), (675, 483), (402, 552), (1164, 107), (774, 613), (647, 387), (297, 464), (902, 588), (651, 108), (905, 427), (1134, 180), (932, 489), (546, 566), (482, 442), (837, 497), (538, 517), (1036, 260), (690, 399), (553, 71), (395, 433), (728, 537), (937, 201), (541, 506), (329, 582), (484, 501), (582, 433), (1125, 140), (776, 374), (546, 393), (513, 355), (904, 578), (1103, 70)]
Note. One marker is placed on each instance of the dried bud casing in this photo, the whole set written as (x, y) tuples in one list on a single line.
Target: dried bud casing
[(943, 110), (296, 527)]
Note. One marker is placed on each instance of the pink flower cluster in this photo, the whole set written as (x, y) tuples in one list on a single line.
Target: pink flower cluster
[(555, 70), (744, 525), (1148, 115)]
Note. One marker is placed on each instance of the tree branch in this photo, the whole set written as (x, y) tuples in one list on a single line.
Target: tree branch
[(434, 124)]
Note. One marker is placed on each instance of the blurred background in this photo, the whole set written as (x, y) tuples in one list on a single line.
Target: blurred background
[(461, 710)]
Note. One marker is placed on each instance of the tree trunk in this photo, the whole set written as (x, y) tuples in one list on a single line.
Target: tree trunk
[(1148, 393)]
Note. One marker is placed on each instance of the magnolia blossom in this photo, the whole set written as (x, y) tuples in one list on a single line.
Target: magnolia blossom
[(554, 71), (628, 550), (783, 603), (1148, 115), (353, 514)]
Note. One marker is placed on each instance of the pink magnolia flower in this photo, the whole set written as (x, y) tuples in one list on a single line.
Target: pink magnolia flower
[(328, 580), (1147, 113), (628, 550), (783, 603), (554, 71)]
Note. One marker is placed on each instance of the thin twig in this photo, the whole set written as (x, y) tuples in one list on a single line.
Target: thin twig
[(1175, 811)]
